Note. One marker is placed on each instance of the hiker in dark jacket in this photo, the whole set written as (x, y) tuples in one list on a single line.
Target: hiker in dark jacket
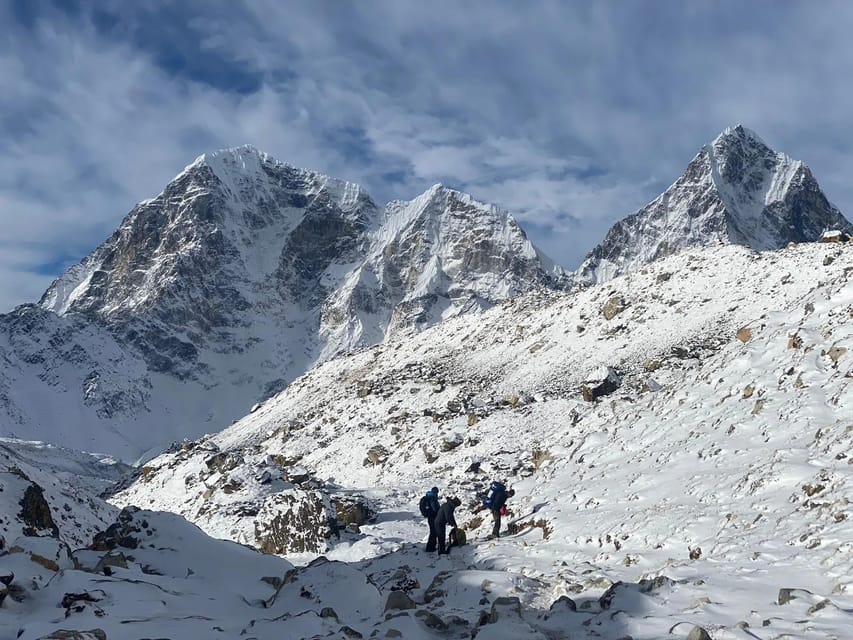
[(445, 517), (498, 509), (429, 506)]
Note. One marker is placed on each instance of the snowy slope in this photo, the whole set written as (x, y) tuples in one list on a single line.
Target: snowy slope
[(720, 463), (54, 491), (736, 190), (236, 279)]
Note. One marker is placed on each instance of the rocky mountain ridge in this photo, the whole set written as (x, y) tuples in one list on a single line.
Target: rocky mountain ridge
[(240, 276)]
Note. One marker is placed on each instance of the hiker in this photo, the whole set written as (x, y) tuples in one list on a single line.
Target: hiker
[(495, 501), (445, 517), (429, 506)]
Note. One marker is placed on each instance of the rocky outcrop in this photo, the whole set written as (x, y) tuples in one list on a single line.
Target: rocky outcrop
[(292, 522), (35, 513), (399, 600), (604, 382)]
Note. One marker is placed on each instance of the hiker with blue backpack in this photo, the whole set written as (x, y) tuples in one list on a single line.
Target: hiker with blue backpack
[(495, 501), (429, 506)]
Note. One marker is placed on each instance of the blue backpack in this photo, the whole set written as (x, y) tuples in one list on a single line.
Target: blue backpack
[(495, 492)]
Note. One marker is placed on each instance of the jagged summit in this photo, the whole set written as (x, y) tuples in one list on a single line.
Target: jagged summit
[(739, 134), (735, 190)]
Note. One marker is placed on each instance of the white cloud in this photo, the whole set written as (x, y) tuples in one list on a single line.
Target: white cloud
[(571, 115)]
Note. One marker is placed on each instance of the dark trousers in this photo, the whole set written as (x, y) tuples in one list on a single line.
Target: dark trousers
[(496, 530), (441, 531), (433, 535)]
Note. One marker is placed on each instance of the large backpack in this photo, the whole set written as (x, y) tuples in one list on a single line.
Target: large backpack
[(457, 537), (426, 506), (494, 494)]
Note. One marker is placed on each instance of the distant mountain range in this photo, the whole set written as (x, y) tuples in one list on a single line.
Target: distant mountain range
[(245, 272)]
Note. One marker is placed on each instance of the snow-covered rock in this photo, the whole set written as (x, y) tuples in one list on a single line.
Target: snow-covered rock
[(736, 190)]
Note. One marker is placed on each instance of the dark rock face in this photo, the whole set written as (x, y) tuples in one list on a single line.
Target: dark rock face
[(35, 513), (736, 190)]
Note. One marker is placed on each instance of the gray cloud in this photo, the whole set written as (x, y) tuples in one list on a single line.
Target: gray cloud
[(571, 115)]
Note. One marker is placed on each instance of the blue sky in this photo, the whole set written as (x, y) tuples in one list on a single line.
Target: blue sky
[(569, 114)]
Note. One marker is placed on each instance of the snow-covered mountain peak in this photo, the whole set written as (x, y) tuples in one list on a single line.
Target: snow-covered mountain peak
[(241, 275), (245, 171), (738, 135), (735, 190)]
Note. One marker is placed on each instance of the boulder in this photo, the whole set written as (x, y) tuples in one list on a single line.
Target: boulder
[(352, 510), (613, 307), (108, 561), (603, 382), (297, 474), (835, 352), (649, 585), (431, 620), (118, 534), (224, 462), (70, 599), (67, 634), (375, 455), (698, 633), (835, 235), (451, 441), (436, 588), (787, 594), (744, 334), (399, 601), (503, 606), (563, 603), (651, 365), (606, 599)]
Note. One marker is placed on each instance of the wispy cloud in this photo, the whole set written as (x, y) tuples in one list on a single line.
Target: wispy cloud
[(571, 115)]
